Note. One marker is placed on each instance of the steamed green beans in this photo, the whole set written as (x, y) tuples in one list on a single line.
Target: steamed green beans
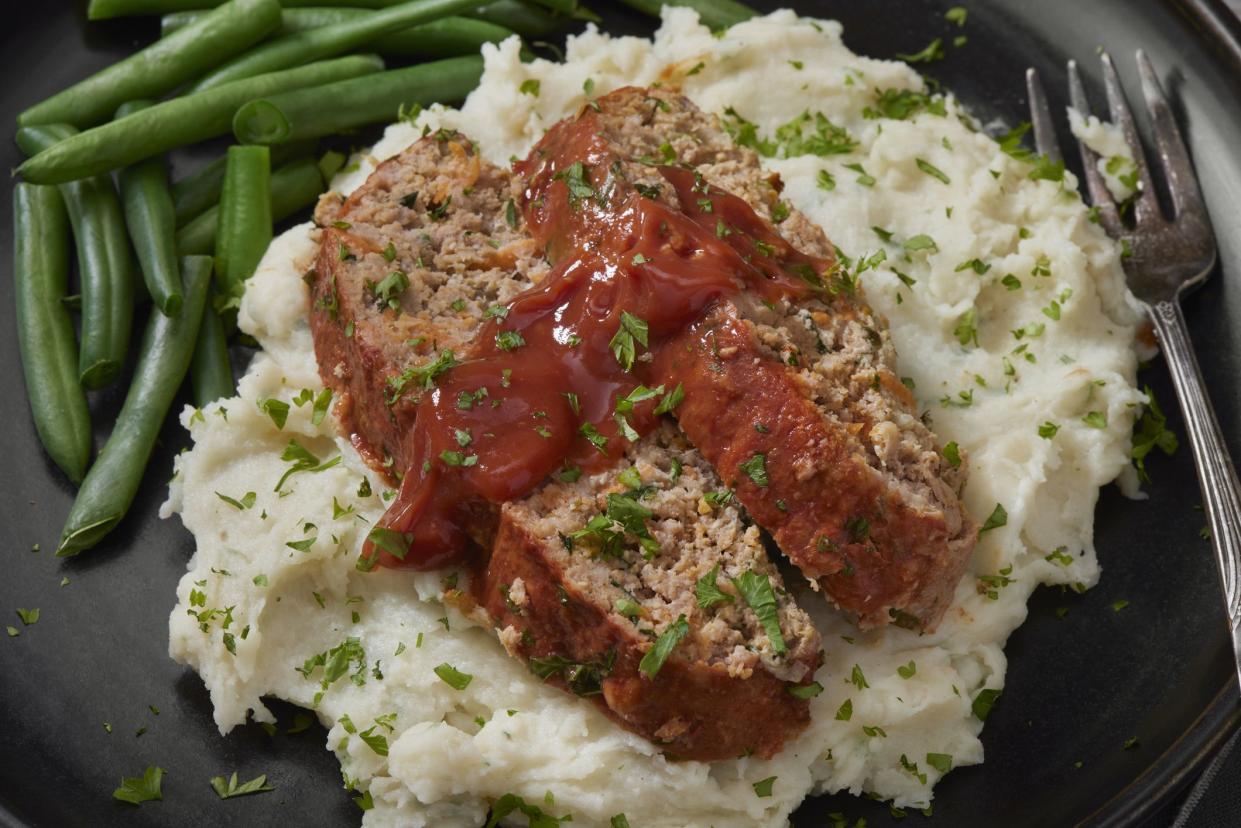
[(105, 268), (152, 224), (211, 373), (445, 37), (201, 190), (326, 41), (162, 66), (297, 115), (112, 482), (714, 14), (44, 329), (294, 187), (177, 122), (245, 217)]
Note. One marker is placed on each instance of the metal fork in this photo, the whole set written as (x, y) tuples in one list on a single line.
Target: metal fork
[(1167, 257)]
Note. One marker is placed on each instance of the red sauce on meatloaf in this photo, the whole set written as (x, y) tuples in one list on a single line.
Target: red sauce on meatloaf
[(551, 385)]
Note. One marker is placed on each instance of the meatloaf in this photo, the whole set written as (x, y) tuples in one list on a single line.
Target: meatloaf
[(583, 578), (794, 402)]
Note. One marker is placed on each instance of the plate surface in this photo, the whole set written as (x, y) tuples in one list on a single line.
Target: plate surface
[(1077, 688)]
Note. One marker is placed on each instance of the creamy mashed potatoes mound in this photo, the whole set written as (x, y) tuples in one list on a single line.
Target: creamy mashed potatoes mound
[(1014, 328)]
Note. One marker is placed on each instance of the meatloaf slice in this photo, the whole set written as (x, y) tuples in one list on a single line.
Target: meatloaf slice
[(582, 602), (796, 403), (409, 265), (578, 596)]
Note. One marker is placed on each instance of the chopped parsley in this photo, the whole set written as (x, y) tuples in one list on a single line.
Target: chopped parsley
[(805, 691), (857, 678), (864, 178), (1048, 430), (1151, 432), (631, 332), (278, 410), (229, 788), (303, 460), (762, 788), (535, 816), (247, 500), (577, 181), (509, 340), (138, 789), (422, 376), (933, 51), (919, 242), (997, 518), (845, 712), (655, 657), (453, 677), (756, 468), (671, 400), (530, 87), (708, 592), (584, 678), (387, 291), (805, 134), (952, 453), (942, 762), (907, 671), (966, 330), (1096, 419), (756, 590), (931, 170)]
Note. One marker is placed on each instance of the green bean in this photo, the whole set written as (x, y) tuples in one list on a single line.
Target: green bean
[(44, 329), (152, 226), (108, 9), (112, 482), (105, 267), (525, 19), (210, 372), (294, 187), (245, 217), (446, 37), (201, 189), (297, 115), (714, 14), (177, 122), (326, 41), (162, 66)]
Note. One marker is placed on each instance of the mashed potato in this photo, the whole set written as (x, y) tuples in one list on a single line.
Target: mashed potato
[(1013, 325)]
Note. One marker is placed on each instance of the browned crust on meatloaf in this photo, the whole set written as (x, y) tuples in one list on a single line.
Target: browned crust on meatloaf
[(871, 510)]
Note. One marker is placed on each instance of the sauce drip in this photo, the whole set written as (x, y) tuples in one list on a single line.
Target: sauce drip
[(551, 388)]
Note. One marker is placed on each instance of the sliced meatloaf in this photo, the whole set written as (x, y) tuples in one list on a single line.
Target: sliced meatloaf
[(583, 578), (576, 594), (796, 402), (408, 266)]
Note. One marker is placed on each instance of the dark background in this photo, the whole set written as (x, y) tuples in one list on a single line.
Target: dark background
[(1077, 688)]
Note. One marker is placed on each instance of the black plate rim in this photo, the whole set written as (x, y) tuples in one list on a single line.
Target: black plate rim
[(1218, 28), (1187, 757)]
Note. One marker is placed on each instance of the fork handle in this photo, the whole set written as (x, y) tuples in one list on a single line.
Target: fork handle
[(1216, 474)]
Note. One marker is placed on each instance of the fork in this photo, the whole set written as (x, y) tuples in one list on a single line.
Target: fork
[(1167, 256)]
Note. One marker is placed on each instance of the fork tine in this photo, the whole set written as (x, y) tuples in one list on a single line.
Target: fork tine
[(1040, 117), (1147, 205), (1100, 195), (1182, 183)]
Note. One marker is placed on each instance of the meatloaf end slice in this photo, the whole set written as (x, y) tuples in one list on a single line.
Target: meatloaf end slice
[(797, 403), (408, 267), (584, 607)]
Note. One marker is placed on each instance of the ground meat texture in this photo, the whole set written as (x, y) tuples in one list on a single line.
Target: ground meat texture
[(584, 614), (408, 266), (563, 610), (796, 403)]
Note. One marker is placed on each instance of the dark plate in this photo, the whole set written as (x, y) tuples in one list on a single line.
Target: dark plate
[(1077, 687)]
